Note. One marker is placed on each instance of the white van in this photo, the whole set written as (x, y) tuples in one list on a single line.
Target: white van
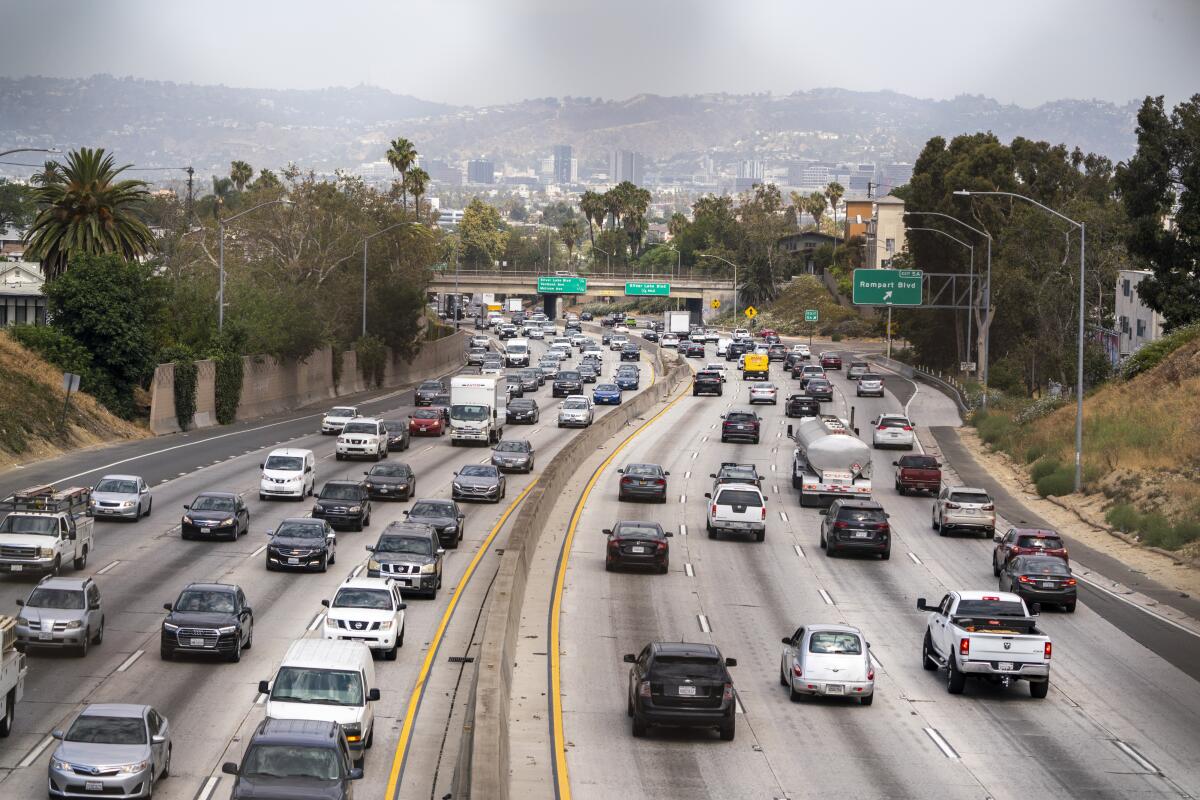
[(327, 680), (288, 472), (723, 345), (516, 352)]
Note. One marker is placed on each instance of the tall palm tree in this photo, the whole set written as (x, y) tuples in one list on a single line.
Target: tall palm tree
[(816, 207), (240, 173), (834, 193), (592, 206), (222, 193), (87, 210), (51, 172), (570, 231), (401, 155), (613, 206), (415, 183)]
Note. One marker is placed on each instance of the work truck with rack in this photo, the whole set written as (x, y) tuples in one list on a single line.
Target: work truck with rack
[(13, 668), (45, 528)]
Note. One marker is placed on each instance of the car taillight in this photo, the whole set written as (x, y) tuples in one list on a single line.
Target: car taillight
[(881, 428), (953, 505), (714, 509), (881, 526), (908, 427), (662, 547), (644, 689), (841, 525), (871, 674), (660, 482), (626, 480), (1069, 581), (964, 646), (1024, 579), (728, 693), (989, 507), (1046, 651), (764, 512), (797, 671)]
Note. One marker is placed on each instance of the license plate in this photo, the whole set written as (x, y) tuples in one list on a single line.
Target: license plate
[(293, 561), (93, 786), (195, 643), (206, 530), (1047, 585), (45, 636), (686, 691), (16, 568), (383, 491), (835, 688), (405, 582), (1006, 665), (637, 549)]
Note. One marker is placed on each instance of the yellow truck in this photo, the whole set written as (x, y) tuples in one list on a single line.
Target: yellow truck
[(755, 367)]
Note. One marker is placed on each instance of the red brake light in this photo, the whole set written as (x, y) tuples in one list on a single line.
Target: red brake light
[(1046, 651), (714, 509), (953, 505), (626, 480), (871, 674), (989, 507), (764, 512), (1024, 579), (662, 546), (882, 428), (908, 427), (799, 673), (728, 693), (644, 689), (841, 525), (964, 646), (1070, 581), (660, 482)]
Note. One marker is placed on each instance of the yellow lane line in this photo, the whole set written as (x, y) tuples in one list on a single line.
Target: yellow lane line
[(418, 692), (562, 784)]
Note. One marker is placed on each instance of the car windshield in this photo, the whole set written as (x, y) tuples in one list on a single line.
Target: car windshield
[(738, 475), (390, 471), (641, 530), (520, 405), (471, 413), (39, 526), (208, 502), (739, 416), (416, 545), (360, 427), (1040, 542), (1038, 566), (427, 413), (989, 608), (513, 446), (607, 387), (568, 376), (354, 597), (517, 348), (868, 376), (117, 486), (284, 463), (340, 491), (644, 470), (332, 687), (55, 598), (477, 471), (861, 515), (209, 601), (575, 405), (430, 509), (739, 497), (678, 667), (341, 411), (392, 425), (430, 386), (819, 383), (970, 497), (919, 462), (300, 530), (291, 761), (835, 643), (893, 422), (107, 730)]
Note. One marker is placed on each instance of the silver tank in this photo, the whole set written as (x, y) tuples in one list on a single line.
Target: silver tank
[(828, 444)]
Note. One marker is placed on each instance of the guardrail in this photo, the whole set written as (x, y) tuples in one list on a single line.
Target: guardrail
[(947, 383)]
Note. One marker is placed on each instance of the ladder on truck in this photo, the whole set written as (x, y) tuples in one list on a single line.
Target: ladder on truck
[(46, 499)]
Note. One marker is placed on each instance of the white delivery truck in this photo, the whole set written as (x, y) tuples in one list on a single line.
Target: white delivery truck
[(13, 669), (45, 530), (477, 408), (677, 322), (514, 305), (829, 462), (516, 352)]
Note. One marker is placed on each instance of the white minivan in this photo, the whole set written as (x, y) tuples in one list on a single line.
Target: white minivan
[(327, 680), (288, 472)]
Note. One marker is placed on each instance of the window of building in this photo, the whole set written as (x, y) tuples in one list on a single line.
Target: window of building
[(890, 246), (1141, 327), (1125, 286), (1124, 324)]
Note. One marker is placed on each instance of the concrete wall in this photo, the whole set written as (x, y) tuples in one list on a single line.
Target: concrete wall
[(269, 387)]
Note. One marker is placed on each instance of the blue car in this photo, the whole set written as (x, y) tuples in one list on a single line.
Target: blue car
[(607, 394), (627, 380)]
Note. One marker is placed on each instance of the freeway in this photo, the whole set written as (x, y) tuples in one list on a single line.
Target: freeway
[(213, 707), (1120, 720)]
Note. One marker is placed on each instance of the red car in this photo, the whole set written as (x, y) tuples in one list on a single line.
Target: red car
[(1026, 542), (765, 332), (831, 361), (427, 422)]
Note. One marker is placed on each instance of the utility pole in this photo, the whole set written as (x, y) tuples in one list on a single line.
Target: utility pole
[(191, 174)]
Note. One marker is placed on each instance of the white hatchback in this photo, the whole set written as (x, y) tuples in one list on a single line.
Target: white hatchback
[(367, 610), (288, 472)]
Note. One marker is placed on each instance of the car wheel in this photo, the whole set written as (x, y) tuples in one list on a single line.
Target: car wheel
[(866, 700), (270, 566), (337, 456), (82, 649), (1069, 607), (390, 654), (366, 522), (249, 639), (995, 566), (166, 770), (99, 637), (756, 440), (81, 562), (885, 555), (956, 681), (236, 655), (639, 728), (358, 524), (728, 730), (1039, 689), (927, 661), (821, 544), (324, 564), (608, 565), (712, 533), (166, 654), (183, 534), (760, 535)]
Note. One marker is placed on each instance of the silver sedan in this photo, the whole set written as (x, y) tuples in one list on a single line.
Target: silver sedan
[(111, 750), (764, 393), (121, 497), (828, 660)]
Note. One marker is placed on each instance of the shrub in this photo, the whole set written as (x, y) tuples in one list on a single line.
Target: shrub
[(837, 337), (1058, 483), (61, 350), (228, 386), (1034, 452), (1123, 517), (1039, 408), (993, 428), (185, 393), (1043, 468), (1152, 353), (335, 362), (372, 358)]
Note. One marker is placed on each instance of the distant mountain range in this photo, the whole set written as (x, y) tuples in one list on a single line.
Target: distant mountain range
[(152, 123)]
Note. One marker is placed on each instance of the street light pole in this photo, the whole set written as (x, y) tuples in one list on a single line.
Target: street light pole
[(221, 255), (29, 150), (364, 286), (970, 310), (735, 281), (1082, 309)]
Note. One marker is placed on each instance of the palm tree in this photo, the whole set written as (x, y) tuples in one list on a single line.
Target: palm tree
[(816, 207), (240, 173), (401, 155), (833, 193), (570, 232), (612, 206), (51, 172), (592, 206), (222, 192), (415, 183), (87, 210)]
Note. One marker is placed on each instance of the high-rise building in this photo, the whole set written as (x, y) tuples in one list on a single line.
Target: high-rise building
[(562, 163), (481, 170), (626, 165), (756, 170)]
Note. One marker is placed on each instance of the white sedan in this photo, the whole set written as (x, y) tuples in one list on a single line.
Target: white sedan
[(892, 430), (764, 393), (669, 340), (828, 660)]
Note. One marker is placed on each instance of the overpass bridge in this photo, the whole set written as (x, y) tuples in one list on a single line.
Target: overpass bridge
[(695, 292)]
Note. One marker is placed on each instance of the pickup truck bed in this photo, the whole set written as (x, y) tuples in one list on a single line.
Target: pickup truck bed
[(918, 473)]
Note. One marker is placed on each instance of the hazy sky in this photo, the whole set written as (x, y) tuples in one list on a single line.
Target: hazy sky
[(495, 51)]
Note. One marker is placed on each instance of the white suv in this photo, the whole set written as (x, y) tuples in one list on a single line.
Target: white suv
[(892, 430), (367, 610), (737, 508), (362, 438), (336, 418), (288, 472)]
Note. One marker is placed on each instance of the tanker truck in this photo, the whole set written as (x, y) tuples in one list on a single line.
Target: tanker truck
[(830, 461)]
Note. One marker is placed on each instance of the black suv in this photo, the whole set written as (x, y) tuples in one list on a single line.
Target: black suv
[(740, 424), (856, 526), (731, 472), (344, 503), (801, 405), (294, 758), (631, 352), (737, 348), (820, 389), (708, 382), (428, 392), (410, 554), (208, 619), (302, 543), (567, 382), (682, 685)]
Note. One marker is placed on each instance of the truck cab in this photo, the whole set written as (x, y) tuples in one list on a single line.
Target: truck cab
[(756, 367), (45, 528)]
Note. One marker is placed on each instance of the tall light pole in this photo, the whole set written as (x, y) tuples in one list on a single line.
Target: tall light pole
[(735, 281), (1079, 355), (29, 150), (987, 295), (364, 288), (221, 255), (608, 256), (969, 247)]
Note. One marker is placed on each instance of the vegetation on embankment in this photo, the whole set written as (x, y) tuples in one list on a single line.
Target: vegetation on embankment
[(1139, 442), (785, 314)]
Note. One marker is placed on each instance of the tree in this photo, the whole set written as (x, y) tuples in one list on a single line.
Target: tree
[(51, 173), (834, 193), (401, 155), (88, 211), (240, 173), (415, 183), (483, 238), (1161, 182), (18, 204), (570, 231), (815, 206), (591, 205)]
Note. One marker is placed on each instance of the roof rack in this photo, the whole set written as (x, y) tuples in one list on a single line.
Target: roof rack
[(45, 498)]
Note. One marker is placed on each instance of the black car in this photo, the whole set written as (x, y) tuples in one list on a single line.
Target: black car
[(302, 543), (397, 433), (1046, 580), (681, 685), (567, 382), (295, 758), (731, 472), (631, 352), (410, 554), (691, 349), (216, 514), (208, 619), (737, 348), (586, 316), (479, 482), (633, 543), (642, 481), (515, 385), (427, 393), (395, 481), (650, 335), (589, 372), (740, 424), (524, 411), (444, 516), (793, 361), (708, 382), (801, 405), (344, 503), (856, 526), (820, 389)]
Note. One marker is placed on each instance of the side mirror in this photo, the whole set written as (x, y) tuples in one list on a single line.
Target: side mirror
[(790, 433), (262, 465), (20, 602), (712, 474), (356, 774), (264, 687), (187, 507), (787, 640), (824, 512), (405, 512), (629, 658), (441, 551), (668, 534), (621, 471), (895, 463), (167, 606), (229, 768), (731, 662), (608, 531), (402, 606), (666, 472), (997, 537), (56, 734), (708, 495), (370, 548), (325, 603), (373, 694), (938, 465), (157, 739), (921, 604), (856, 431), (308, 469)]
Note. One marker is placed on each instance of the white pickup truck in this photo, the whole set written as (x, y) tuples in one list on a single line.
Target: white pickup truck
[(44, 529), (13, 669), (990, 635)]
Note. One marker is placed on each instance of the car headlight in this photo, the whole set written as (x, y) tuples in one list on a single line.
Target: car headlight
[(330, 623), (171, 628), (372, 564), (60, 765), (74, 624), (46, 552), (355, 509), (428, 569), (187, 520), (129, 769), (127, 504), (386, 625), (369, 485), (457, 485), (224, 523), (22, 621), (227, 629)]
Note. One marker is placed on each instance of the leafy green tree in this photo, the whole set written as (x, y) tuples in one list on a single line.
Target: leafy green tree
[(483, 237), (401, 155), (240, 174), (18, 204), (86, 210)]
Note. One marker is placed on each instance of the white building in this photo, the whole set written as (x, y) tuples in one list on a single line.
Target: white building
[(1136, 323), (21, 299), (885, 231)]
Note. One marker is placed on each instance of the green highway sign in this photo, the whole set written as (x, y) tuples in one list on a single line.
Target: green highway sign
[(887, 287), (647, 288), (811, 315), (561, 284)]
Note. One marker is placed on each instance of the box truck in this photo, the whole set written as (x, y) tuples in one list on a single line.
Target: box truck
[(477, 408)]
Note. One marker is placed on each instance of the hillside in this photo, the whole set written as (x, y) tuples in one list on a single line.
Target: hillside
[(31, 405)]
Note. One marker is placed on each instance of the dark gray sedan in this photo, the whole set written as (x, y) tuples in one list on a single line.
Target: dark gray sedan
[(513, 455), (479, 482), (444, 516)]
